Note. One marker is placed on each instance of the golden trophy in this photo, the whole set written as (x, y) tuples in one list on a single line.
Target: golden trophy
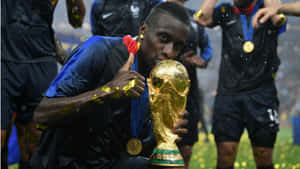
[(168, 89)]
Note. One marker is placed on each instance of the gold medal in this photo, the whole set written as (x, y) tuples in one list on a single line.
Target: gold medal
[(134, 146), (248, 47)]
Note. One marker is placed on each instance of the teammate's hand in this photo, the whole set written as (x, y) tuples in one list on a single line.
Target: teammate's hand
[(191, 59), (179, 127), (127, 83), (263, 15)]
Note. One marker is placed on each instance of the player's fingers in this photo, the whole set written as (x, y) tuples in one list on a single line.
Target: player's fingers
[(128, 64), (256, 18), (184, 114), (180, 131), (264, 18), (136, 75), (180, 124), (134, 93), (178, 139), (139, 89)]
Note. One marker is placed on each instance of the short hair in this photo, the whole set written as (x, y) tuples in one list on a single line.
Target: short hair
[(171, 8)]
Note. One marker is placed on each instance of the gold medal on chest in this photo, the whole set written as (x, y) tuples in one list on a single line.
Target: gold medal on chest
[(134, 146), (248, 47)]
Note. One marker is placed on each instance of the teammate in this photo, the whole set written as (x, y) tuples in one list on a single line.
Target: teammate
[(28, 65), (246, 94)]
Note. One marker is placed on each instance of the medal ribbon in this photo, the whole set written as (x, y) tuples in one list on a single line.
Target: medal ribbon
[(248, 31), (139, 106)]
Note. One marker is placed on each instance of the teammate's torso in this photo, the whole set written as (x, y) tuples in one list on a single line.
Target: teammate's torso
[(241, 71), (28, 34), (119, 17)]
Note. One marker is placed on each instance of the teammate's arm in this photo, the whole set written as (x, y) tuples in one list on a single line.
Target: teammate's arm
[(277, 20), (264, 14), (76, 12), (292, 8), (204, 16), (205, 46)]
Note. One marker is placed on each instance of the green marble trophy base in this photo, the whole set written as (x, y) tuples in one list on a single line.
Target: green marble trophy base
[(168, 158)]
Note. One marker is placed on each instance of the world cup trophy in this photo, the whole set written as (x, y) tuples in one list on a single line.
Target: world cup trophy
[(168, 89)]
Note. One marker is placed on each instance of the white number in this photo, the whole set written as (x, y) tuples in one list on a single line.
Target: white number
[(273, 114)]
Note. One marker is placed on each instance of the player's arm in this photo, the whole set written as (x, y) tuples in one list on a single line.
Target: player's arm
[(61, 111), (264, 14), (191, 58), (205, 46), (76, 12), (61, 54), (292, 8), (277, 20), (204, 16)]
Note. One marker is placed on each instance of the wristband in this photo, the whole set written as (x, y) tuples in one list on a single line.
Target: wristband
[(282, 18), (198, 14)]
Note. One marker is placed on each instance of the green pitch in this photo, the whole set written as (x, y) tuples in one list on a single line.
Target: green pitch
[(286, 155)]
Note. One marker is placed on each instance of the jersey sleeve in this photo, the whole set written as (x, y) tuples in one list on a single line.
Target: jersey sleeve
[(78, 74), (204, 45)]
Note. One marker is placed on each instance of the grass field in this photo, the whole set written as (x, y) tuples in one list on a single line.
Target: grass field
[(286, 155)]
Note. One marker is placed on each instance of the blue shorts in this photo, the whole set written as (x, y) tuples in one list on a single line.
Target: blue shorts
[(256, 111)]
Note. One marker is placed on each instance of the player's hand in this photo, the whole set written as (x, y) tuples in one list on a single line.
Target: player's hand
[(127, 83), (76, 12), (263, 15), (179, 128), (191, 59)]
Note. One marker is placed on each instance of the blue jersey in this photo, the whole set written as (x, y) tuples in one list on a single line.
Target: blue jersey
[(119, 17), (99, 138), (84, 69)]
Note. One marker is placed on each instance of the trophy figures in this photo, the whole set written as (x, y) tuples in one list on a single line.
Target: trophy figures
[(168, 88)]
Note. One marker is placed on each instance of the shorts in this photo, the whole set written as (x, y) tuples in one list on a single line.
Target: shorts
[(257, 112), (22, 89)]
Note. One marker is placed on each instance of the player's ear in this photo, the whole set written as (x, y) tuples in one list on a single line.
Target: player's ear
[(143, 28)]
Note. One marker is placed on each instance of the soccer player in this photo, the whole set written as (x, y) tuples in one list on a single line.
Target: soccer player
[(87, 108), (246, 94)]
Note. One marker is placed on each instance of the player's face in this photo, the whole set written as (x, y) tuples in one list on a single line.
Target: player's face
[(163, 41), (242, 3)]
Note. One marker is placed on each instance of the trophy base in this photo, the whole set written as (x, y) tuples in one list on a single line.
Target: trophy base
[(168, 158)]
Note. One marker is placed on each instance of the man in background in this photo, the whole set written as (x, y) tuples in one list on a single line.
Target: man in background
[(246, 93), (28, 65)]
